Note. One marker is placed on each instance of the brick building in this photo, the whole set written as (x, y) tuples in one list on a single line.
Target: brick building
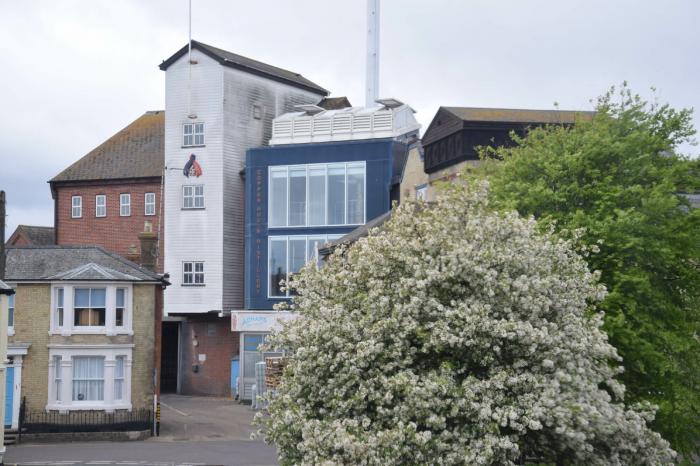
[(84, 336), (113, 193), (29, 235)]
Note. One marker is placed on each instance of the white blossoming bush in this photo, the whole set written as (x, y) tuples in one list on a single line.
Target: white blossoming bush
[(453, 336)]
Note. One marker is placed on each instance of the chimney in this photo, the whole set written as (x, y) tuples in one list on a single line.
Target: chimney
[(372, 80), (149, 250)]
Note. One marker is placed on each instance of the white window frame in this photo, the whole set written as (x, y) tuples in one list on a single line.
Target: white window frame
[(89, 288), (11, 311), (110, 328), (194, 196), (286, 169), (194, 273), (98, 205), (125, 206), (63, 401), (149, 203), (195, 131), (323, 237), (76, 207)]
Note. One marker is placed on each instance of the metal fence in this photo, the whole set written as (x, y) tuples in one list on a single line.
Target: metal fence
[(36, 422)]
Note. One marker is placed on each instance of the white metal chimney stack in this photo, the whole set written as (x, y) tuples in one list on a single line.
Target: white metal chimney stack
[(372, 84)]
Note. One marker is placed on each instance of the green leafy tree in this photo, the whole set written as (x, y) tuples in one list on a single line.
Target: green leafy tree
[(618, 177), (454, 336)]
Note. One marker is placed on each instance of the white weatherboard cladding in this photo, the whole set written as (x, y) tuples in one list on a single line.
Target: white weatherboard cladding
[(227, 101), (194, 235)]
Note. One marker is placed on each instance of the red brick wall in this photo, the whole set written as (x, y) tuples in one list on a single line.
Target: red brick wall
[(216, 341), (113, 232)]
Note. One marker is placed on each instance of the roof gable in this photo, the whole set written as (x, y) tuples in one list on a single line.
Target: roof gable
[(248, 65), (136, 151), (31, 235), (92, 271)]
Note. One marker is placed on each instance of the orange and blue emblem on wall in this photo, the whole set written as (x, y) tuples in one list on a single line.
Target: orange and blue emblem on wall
[(192, 167)]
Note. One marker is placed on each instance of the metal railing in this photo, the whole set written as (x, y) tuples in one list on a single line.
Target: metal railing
[(35, 422)]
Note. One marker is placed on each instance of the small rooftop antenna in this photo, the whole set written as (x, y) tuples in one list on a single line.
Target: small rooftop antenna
[(190, 114), (372, 84)]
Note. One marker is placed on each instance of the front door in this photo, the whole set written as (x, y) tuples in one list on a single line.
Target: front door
[(9, 394)]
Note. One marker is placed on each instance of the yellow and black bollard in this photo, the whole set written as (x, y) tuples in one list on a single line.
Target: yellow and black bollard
[(158, 419)]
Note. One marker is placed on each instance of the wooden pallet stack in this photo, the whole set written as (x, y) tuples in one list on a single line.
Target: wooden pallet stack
[(274, 367)]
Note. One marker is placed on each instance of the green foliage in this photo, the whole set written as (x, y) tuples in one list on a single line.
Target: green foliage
[(618, 177)]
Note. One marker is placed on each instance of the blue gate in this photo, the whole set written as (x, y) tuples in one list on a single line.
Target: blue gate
[(9, 393)]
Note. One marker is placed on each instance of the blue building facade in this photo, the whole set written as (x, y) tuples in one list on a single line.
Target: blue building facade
[(299, 196)]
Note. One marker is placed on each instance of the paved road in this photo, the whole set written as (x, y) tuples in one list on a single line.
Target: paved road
[(194, 431), (219, 452)]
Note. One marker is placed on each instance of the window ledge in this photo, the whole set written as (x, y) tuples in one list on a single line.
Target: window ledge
[(87, 407), (68, 333), (193, 147), (194, 285), (193, 208)]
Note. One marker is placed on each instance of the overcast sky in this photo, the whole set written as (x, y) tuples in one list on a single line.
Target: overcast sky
[(75, 72)]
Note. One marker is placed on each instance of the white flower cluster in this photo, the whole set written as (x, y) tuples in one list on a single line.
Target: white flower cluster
[(454, 336)]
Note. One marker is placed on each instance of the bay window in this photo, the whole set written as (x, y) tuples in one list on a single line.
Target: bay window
[(88, 378), (317, 195), (92, 377), (287, 255), (91, 308)]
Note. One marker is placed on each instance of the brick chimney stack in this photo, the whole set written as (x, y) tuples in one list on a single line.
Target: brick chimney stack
[(149, 249)]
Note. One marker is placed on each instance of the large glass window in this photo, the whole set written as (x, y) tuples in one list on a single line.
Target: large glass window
[(336, 194), (193, 197), (89, 307), (278, 197), (100, 205), (288, 254), (88, 378), (317, 195), (356, 194), (297, 196)]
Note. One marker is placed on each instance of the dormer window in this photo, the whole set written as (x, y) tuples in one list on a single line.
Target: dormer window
[(193, 134)]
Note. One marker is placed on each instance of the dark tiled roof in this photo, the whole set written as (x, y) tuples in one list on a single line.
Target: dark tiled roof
[(334, 103), (509, 115), (359, 232), (137, 151), (53, 263), (233, 60), (37, 236)]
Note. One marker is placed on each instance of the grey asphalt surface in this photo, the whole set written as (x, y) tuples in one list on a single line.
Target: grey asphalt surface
[(194, 431)]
